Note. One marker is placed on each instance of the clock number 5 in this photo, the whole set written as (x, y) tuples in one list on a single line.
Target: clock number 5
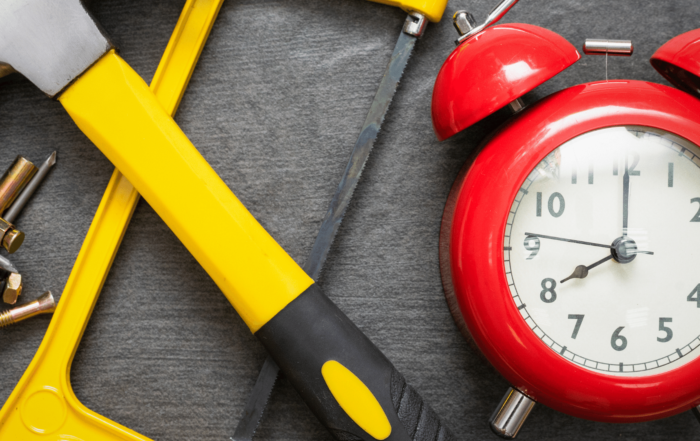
[(616, 337), (669, 332), (548, 286)]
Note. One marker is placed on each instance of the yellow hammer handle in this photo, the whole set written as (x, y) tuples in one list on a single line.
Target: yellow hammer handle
[(114, 107), (43, 402), (432, 9)]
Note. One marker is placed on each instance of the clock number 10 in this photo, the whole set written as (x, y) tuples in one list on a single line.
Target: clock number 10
[(550, 204)]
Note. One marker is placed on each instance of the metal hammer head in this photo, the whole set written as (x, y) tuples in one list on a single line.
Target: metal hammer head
[(51, 42)]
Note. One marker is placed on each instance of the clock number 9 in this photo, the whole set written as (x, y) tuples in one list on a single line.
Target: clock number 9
[(532, 243), (548, 289), (617, 337)]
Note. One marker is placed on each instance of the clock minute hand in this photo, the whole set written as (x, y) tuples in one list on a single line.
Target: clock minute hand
[(625, 198), (581, 271)]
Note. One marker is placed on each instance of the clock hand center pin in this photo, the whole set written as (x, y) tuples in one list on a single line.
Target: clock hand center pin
[(623, 250)]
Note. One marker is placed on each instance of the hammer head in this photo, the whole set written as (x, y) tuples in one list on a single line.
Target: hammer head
[(51, 42)]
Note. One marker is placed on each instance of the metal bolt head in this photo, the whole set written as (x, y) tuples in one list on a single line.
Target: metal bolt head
[(13, 240), (464, 22), (13, 288)]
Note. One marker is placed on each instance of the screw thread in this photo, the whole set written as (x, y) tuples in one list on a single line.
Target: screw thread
[(6, 319)]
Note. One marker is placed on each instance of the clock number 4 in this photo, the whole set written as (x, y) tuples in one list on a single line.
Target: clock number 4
[(550, 204), (694, 295), (616, 337)]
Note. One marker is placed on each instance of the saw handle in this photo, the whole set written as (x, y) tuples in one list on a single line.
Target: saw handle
[(348, 383), (432, 9)]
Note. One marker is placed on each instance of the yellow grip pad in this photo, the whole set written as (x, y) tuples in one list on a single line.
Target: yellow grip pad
[(114, 107), (432, 9), (355, 398)]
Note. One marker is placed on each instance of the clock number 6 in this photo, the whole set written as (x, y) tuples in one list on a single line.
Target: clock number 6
[(617, 337), (548, 289), (666, 329)]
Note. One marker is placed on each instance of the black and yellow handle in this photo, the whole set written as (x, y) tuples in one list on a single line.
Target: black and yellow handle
[(346, 381), (343, 377)]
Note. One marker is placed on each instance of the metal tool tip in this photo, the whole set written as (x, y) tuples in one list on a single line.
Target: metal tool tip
[(51, 160)]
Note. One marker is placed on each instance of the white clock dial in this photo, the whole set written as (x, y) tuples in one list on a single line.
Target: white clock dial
[(601, 250)]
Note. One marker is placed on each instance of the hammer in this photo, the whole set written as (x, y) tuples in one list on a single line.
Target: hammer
[(346, 381)]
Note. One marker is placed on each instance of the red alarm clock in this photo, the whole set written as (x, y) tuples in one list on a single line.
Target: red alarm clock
[(569, 240)]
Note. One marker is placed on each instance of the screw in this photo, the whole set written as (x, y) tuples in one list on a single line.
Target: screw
[(13, 288), (44, 304), (13, 240)]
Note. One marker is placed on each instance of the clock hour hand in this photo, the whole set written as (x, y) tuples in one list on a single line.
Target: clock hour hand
[(581, 271)]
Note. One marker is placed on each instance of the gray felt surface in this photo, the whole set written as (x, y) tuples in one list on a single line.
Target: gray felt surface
[(275, 104)]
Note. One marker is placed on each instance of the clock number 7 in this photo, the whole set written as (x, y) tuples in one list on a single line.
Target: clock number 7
[(579, 320)]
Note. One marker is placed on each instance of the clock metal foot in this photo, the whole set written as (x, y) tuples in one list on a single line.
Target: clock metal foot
[(511, 413), (696, 412)]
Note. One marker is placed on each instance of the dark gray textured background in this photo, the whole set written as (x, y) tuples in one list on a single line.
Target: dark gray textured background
[(275, 104)]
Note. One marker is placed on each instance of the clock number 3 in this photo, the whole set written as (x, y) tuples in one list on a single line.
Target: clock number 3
[(548, 290)]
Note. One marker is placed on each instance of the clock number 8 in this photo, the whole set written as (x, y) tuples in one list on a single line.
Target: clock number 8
[(548, 289)]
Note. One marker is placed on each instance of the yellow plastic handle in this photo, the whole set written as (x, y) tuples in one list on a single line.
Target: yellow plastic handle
[(43, 406), (113, 106), (432, 9)]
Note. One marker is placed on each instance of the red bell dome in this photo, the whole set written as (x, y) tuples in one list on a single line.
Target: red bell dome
[(493, 68), (679, 62)]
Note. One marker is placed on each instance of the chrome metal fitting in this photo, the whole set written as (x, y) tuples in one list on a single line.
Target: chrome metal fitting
[(42, 305), (496, 14), (619, 48), (464, 22), (12, 238), (511, 413), (415, 24), (14, 180), (50, 42), (13, 288)]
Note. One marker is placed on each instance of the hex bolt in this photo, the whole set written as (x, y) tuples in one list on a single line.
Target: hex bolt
[(12, 238), (13, 288), (42, 305), (464, 22)]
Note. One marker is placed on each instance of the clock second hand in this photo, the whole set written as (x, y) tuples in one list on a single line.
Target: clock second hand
[(581, 271), (581, 242)]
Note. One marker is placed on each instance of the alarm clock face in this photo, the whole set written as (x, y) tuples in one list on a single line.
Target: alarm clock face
[(601, 251)]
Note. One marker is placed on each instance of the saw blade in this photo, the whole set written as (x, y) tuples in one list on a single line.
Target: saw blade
[(334, 216)]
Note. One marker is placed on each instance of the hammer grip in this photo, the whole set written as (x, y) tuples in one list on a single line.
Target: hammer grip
[(353, 389)]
